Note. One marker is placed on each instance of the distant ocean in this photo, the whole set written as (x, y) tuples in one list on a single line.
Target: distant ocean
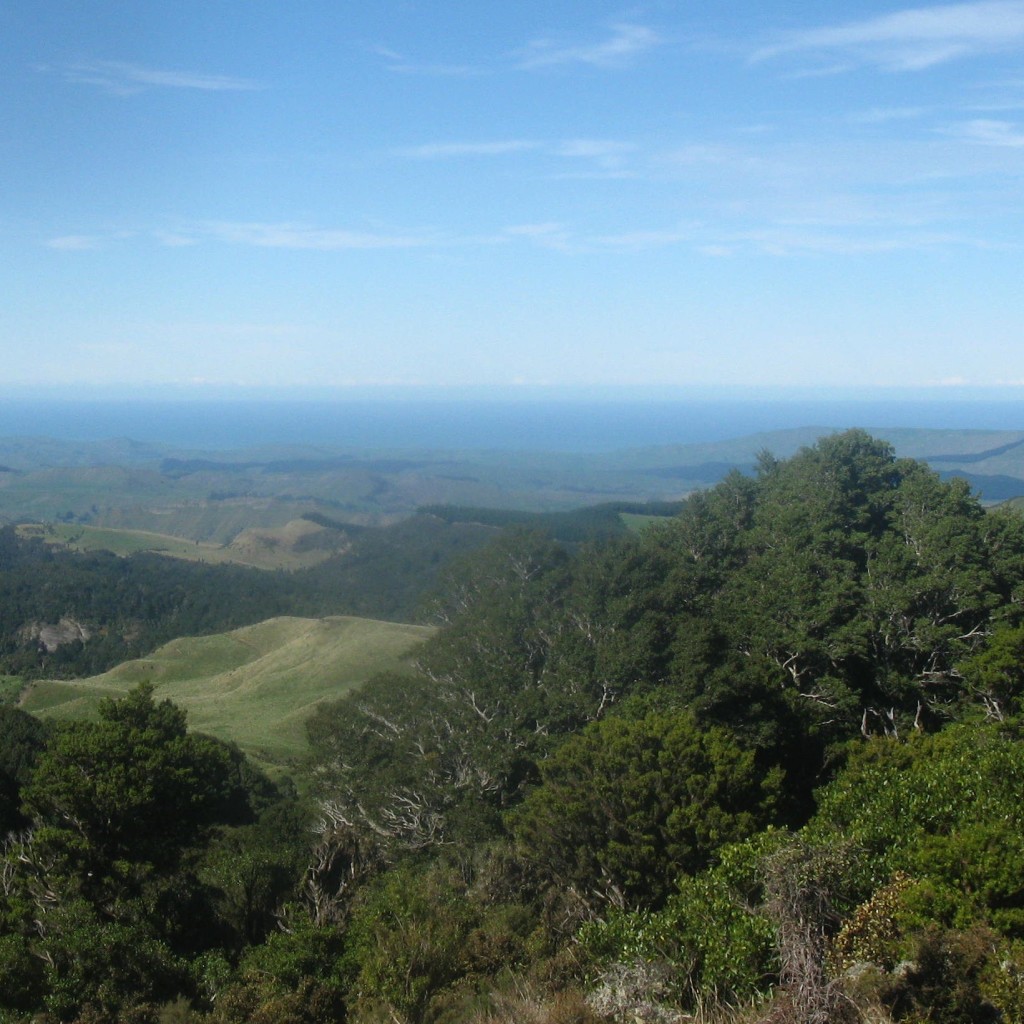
[(576, 425)]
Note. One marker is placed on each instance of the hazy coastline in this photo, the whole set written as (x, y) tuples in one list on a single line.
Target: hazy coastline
[(572, 423)]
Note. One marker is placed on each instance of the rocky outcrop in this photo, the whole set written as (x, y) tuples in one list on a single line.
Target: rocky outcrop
[(53, 635)]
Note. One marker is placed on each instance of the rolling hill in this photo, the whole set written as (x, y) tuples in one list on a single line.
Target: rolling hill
[(254, 686), (254, 506), (297, 544)]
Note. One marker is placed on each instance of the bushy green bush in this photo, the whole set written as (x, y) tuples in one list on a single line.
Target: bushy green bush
[(946, 809), (628, 805), (710, 931)]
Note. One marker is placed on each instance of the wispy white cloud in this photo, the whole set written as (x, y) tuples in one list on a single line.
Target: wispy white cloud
[(75, 243), (444, 150), (304, 236), (702, 153), (912, 39), (594, 159), (644, 239), (270, 235), (764, 239), (626, 42), (991, 133), (780, 241), (546, 235), (174, 239), (124, 79), (620, 47), (885, 115), (400, 64), (608, 154), (544, 228)]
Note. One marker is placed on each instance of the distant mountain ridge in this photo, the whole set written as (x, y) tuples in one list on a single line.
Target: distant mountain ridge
[(215, 494)]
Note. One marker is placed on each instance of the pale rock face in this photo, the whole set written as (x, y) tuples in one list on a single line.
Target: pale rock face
[(53, 635)]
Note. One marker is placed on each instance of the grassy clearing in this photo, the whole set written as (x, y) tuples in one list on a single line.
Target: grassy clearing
[(268, 548), (635, 522), (10, 689), (121, 542), (255, 686)]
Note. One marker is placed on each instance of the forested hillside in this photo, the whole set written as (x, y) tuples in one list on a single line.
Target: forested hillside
[(66, 614), (760, 762)]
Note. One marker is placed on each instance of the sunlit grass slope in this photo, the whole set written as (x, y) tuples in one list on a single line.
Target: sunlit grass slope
[(270, 548), (255, 686)]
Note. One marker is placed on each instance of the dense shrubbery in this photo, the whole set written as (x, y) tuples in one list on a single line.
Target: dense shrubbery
[(764, 755)]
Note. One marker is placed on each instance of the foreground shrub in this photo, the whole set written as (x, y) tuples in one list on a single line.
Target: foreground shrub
[(710, 937)]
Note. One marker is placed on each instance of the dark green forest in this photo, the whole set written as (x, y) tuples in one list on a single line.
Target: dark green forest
[(761, 761)]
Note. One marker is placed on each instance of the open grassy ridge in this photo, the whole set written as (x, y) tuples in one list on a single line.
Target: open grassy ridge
[(255, 686), (121, 542), (261, 548)]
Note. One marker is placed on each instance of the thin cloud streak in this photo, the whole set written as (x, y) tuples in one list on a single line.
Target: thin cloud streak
[(886, 115), (304, 236), (915, 38), (546, 235), (607, 154), (445, 150), (992, 133), (398, 63), (74, 243), (124, 78), (627, 42)]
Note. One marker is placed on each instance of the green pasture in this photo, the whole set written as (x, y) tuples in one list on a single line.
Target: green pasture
[(10, 689), (254, 686), (635, 521), (269, 548), (121, 542)]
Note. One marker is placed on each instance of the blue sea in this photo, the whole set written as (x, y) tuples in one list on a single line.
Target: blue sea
[(555, 424)]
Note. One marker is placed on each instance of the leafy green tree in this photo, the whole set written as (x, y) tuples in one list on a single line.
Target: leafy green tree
[(253, 870), (994, 678), (22, 737), (91, 961), (295, 977), (930, 592), (710, 933), (99, 888), (414, 758), (133, 786), (858, 580)]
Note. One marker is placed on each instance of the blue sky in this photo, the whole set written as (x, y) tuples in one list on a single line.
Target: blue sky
[(457, 194)]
